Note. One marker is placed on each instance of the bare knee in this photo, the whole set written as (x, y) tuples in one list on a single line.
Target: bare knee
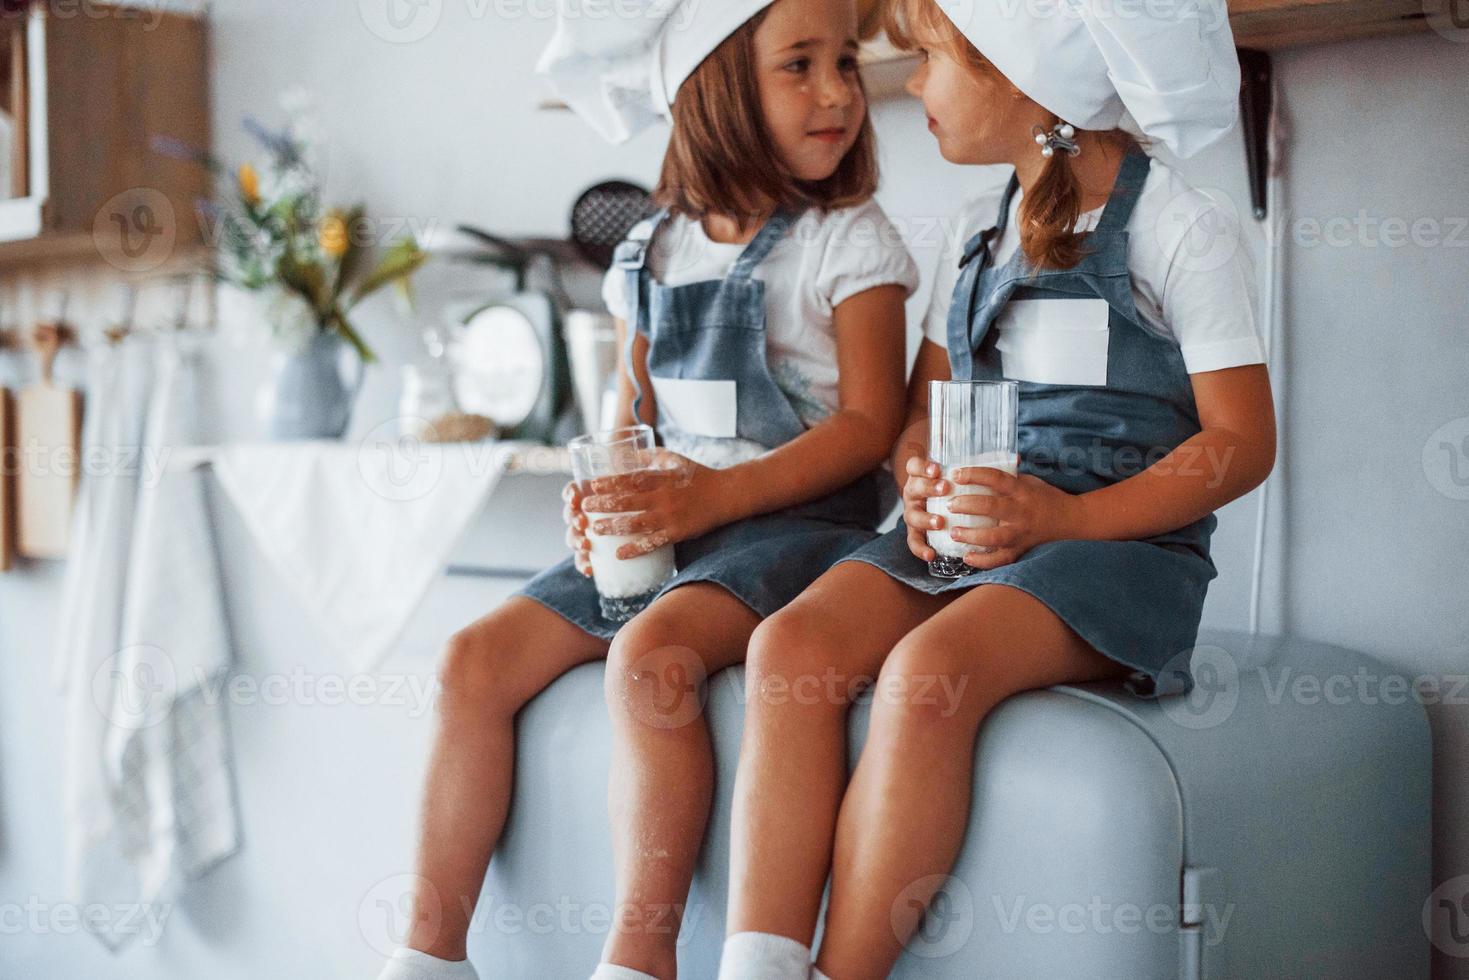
[(795, 661), (654, 677), (485, 666), (930, 685)]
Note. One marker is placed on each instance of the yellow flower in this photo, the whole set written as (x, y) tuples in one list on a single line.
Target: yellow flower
[(333, 236), (249, 184)]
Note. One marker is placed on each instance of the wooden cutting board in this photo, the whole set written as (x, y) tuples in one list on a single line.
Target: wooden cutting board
[(48, 436)]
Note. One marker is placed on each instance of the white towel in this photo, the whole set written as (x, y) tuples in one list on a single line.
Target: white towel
[(359, 531), (150, 789)]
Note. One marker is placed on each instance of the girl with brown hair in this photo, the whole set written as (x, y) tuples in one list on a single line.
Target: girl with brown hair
[(1135, 355), (763, 317)]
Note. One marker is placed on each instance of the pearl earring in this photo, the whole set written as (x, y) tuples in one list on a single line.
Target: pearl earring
[(1061, 137)]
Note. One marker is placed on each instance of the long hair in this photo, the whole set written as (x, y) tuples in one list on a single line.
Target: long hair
[(1049, 210), (721, 159)]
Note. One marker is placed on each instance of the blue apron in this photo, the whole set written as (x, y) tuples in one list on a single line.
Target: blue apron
[(714, 332), (1137, 602)]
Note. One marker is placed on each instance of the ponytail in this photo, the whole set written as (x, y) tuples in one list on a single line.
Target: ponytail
[(1049, 211)]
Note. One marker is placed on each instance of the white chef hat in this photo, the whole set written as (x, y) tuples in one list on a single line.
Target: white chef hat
[(619, 64), (1171, 64)]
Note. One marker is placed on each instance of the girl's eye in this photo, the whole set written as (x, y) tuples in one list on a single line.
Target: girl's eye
[(799, 66), (850, 63)]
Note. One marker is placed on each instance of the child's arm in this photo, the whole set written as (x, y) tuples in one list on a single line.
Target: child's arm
[(624, 416), (932, 365), (1232, 455), (572, 514), (693, 500), (871, 333)]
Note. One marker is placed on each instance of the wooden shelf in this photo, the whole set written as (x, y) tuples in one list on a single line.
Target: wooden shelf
[(97, 89)]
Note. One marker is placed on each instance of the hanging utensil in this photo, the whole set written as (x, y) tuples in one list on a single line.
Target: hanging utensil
[(48, 434), (602, 217)]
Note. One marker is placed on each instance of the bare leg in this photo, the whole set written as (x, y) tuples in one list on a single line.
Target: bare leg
[(662, 779), (905, 813), (490, 670), (806, 664)]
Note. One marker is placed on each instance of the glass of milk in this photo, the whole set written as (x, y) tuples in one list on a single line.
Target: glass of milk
[(625, 586), (970, 423)]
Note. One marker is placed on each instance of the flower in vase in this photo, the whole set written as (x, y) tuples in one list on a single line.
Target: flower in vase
[(249, 185), (334, 236)]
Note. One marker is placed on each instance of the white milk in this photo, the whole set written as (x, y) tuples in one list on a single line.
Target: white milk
[(627, 579), (941, 541)]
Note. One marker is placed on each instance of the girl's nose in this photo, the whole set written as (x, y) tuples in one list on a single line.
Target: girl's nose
[(835, 91)]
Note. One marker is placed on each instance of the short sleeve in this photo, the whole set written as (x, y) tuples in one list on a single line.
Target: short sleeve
[(1209, 294), (864, 251), (936, 320), (614, 292), (977, 215)]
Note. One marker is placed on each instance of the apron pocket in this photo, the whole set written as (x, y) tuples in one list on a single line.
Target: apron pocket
[(699, 408), (1055, 341)]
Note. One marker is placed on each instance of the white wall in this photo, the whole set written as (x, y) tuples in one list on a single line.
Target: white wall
[(444, 129)]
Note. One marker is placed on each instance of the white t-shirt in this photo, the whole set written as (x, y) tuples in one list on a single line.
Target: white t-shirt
[(1192, 279), (824, 260)]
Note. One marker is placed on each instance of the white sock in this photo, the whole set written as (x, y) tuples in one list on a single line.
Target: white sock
[(611, 971), (764, 956), (411, 964)]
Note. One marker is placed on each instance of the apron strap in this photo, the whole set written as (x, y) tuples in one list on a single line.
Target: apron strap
[(976, 258), (1130, 179), (760, 246), (632, 258)]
